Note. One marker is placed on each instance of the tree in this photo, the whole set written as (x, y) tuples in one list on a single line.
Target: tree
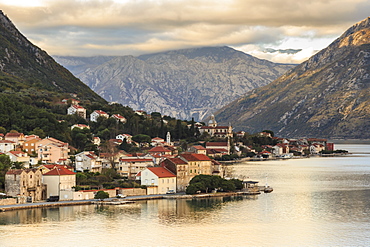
[(142, 138), (5, 165), (269, 131), (101, 195)]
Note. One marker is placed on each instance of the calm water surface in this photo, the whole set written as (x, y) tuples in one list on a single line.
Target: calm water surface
[(315, 202)]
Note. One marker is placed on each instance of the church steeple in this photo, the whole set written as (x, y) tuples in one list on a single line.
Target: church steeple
[(212, 122)]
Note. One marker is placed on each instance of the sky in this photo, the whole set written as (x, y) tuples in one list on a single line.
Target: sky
[(262, 28)]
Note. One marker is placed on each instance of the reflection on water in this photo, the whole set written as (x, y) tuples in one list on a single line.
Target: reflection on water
[(315, 202)]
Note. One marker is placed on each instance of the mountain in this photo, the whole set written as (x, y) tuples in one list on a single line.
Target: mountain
[(25, 67), (182, 83), (326, 96)]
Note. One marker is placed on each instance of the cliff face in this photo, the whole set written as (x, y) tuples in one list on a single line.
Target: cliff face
[(183, 83), (32, 67), (327, 96)]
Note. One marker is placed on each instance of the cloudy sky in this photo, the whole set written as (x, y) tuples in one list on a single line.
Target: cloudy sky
[(263, 28)]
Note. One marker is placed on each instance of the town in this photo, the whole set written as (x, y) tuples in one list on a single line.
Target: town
[(37, 169)]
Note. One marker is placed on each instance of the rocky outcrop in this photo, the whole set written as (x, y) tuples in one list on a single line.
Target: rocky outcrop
[(182, 83), (327, 96)]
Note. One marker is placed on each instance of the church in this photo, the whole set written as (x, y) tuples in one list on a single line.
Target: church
[(214, 130)]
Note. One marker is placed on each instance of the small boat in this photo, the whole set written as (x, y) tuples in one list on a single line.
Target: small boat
[(268, 189)]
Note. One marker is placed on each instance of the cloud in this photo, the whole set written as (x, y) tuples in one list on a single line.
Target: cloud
[(121, 27)]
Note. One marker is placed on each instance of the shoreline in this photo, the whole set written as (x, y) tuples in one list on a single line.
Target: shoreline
[(114, 201)]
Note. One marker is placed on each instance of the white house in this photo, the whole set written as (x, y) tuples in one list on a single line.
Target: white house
[(120, 118), (19, 156), (124, 136), (76, 109), (60, 182), (130, 166), (88, 160), (159, 177), (96, 114), (6, 146)]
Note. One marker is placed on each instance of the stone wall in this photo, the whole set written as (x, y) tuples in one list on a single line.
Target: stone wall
[(8, 201)]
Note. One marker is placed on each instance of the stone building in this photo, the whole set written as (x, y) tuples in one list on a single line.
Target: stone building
[(26, 184)]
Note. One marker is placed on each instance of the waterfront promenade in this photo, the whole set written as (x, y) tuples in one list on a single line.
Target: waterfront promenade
[(128, 199)]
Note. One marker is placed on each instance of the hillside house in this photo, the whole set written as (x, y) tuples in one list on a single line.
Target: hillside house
[(19, 156), (50, 150), (80, 126), (6, 146), (89, 161), (126, 137), (96, 114), (159, 180), (119, 118), (17, 138), (76, 109)]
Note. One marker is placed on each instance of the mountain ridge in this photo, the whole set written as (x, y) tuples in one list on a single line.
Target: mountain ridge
[(327, 95), (180, 83)]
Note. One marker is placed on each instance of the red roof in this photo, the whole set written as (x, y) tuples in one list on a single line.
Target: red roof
[(177, 161), (100, 112), (161, 172), (77, 107), (159, 149), (13, 135), (199, 147), (59, 171), (195, 157), (218, 144), (6, 141), (136, 160), (16, 152)]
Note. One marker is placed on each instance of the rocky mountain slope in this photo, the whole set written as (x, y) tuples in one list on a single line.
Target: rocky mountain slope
[(183, 83), (326, 96), (24, 66)]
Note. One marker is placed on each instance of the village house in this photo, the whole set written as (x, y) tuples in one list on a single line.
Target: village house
[(60, 182), (71, 101), (96, 140), (80, 126), (6, 146), (187, 165), (198, 149), (157, 141), (88, 161), (129, 167), (126, 137), (76, 109), (159, 150), (119, 118), (158, 180), (26, 184), (50, 150), (45, 168), (18, 138), (19, 156), (96, 114), (220, 148), (178, 167), (29, 146)]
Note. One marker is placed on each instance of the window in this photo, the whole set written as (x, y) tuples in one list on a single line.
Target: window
[(152, 180)]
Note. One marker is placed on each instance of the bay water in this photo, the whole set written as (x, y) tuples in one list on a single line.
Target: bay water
[(317, 201)]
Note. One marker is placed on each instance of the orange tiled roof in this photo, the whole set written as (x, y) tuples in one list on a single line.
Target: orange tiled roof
[(161, 172), (59, 171)]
